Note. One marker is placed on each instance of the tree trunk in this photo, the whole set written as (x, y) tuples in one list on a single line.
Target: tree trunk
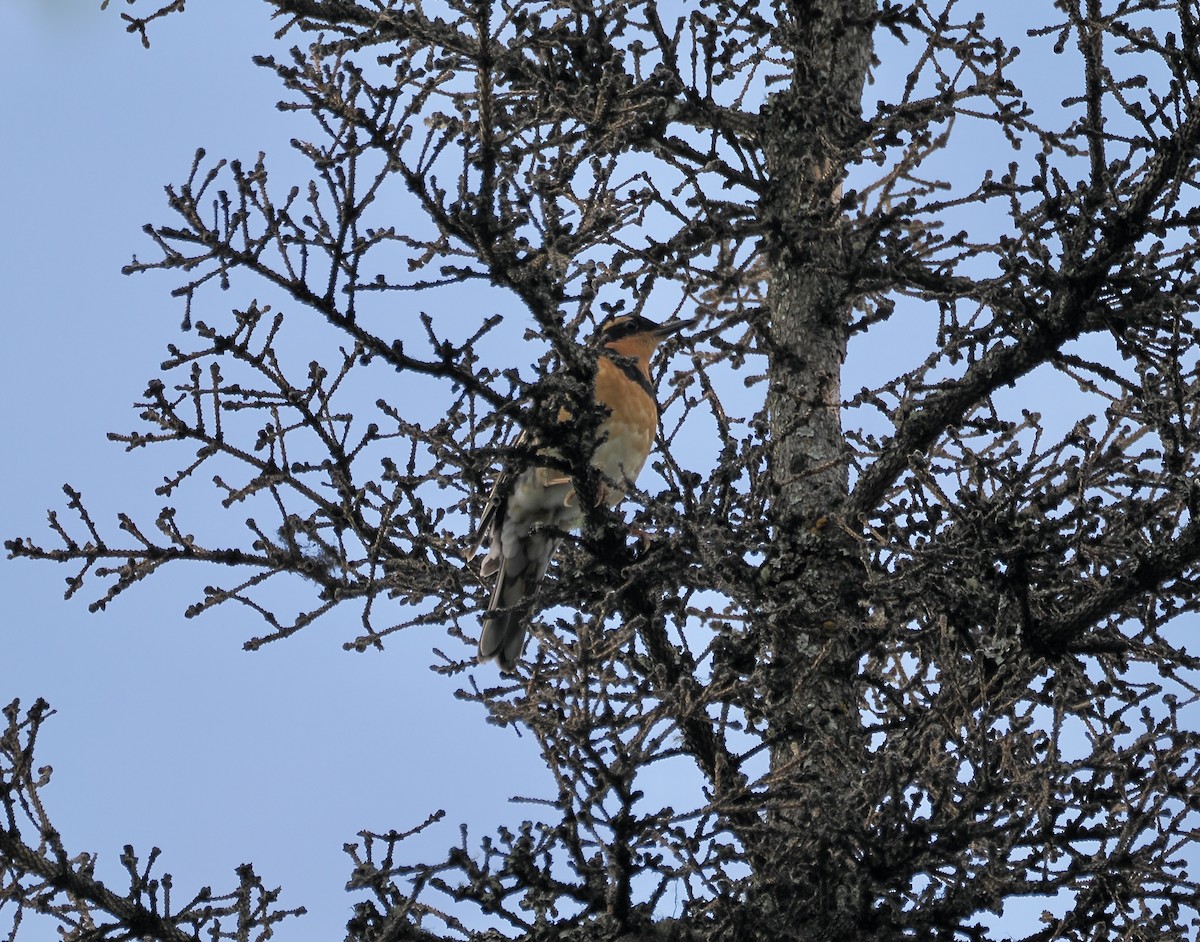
[(814, 580)]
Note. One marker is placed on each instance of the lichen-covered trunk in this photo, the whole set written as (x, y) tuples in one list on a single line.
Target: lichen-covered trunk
[(813, 581)]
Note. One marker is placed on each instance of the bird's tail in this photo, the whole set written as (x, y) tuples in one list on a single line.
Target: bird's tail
[(502, 635)]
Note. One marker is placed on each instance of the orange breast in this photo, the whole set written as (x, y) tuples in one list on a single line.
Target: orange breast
[(631, 427)]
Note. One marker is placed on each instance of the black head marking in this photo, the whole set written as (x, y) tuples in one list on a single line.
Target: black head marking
[(625, 325)]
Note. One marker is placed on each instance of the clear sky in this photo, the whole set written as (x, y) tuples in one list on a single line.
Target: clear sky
[(167, 733)]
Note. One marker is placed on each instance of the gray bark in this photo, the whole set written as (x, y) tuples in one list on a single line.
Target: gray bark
[(815, 577)]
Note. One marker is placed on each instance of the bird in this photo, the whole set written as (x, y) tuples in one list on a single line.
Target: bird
[(529, 510)]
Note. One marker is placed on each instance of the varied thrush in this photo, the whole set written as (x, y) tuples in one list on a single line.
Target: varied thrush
[(525, 518)]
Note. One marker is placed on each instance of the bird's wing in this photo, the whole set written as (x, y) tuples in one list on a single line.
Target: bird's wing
[(491, 515)]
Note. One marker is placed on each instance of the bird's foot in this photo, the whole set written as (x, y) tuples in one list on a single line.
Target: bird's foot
[(645, 537)]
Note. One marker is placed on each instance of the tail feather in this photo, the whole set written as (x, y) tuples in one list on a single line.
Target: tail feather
[(502, 637), (518, 556), (502, 634)]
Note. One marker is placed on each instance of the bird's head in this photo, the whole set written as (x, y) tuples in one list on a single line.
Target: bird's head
[(631, 335)]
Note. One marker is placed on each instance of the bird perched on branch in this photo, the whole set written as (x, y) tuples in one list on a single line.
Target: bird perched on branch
[(525, 517)]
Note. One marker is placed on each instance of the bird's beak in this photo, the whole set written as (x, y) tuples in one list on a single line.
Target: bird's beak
[(670, 328)]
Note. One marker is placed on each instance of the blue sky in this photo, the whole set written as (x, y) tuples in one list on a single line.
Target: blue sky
[(169, 734)]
